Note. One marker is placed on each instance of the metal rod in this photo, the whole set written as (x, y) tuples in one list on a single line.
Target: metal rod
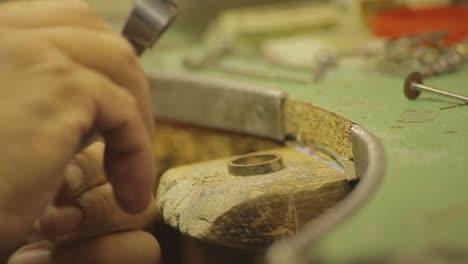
[(414, 86), (424, 88)]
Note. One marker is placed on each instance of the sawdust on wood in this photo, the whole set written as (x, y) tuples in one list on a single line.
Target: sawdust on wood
[(313, 125)]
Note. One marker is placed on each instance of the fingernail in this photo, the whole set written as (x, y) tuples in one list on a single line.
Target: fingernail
[(37, 256), (60, 221), (73, 177)]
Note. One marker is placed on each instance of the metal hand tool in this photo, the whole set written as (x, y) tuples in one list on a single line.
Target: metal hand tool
[(414, 86), (326, 61), (148, 20)]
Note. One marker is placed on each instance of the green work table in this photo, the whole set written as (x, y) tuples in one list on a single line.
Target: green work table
[(419, 214)]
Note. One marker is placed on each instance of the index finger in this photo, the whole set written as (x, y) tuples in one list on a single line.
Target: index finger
[(116, 60), (114, 114)]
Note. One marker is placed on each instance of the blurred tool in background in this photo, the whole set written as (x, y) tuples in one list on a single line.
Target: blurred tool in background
[(306, 40)]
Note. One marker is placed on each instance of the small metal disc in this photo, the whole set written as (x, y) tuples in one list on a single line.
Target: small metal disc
[(251, 165), (411, 93)]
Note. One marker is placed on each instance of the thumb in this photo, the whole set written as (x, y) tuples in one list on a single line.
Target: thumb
[(119, 248)]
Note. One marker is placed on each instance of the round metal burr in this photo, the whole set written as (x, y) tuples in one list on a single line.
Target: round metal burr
[(410, 92), (414, 86)]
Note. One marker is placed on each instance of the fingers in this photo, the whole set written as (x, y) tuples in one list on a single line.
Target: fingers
[(93, 213), (81, 100), (64, 98), (76, 36), (37, 253), (128, 157), (83, 173), (46, 13), (84, 95), (86, 206), (120, 248), (116, 60), (123, 248)]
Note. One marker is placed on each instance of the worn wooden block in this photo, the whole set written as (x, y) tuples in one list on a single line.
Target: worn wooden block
[(177, 144), (204, 201)]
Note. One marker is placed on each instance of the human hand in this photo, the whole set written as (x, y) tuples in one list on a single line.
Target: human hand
[(118, 248), (65, 75), (86, 225)]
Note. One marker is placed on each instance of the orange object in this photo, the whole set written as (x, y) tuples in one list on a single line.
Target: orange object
[(403, 22)]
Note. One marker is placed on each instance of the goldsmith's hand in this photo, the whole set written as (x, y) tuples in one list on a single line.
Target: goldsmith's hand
[(87, 226), (64, 75)]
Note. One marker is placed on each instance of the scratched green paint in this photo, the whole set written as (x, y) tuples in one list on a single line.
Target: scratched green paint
[(422, 205)]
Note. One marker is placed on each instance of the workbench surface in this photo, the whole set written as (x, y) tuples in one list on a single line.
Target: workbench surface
[(420, 211)]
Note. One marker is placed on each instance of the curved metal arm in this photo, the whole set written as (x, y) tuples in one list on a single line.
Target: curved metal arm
[(369, 159)]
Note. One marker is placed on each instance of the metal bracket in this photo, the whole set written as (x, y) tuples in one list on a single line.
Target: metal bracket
[(219, 104)]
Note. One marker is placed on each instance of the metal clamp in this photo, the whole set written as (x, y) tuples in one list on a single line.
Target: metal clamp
[(218, 103)]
